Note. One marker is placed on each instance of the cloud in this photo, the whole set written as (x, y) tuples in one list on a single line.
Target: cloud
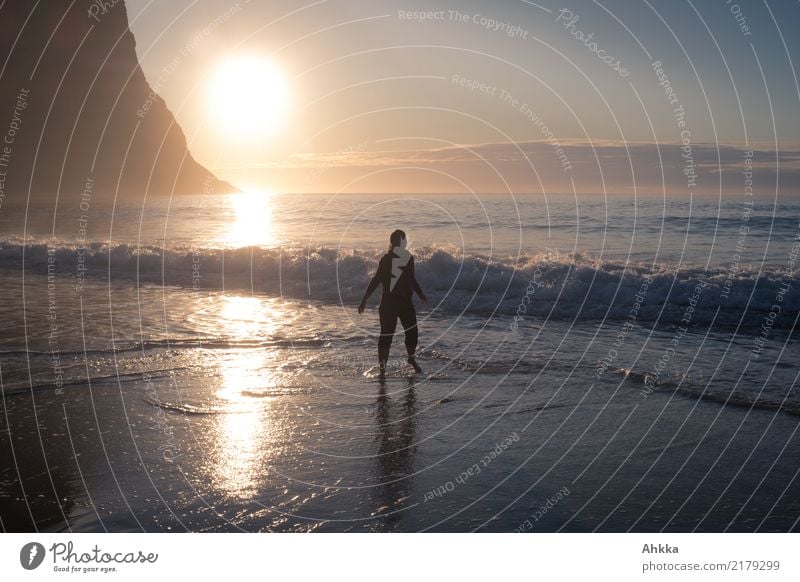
[(535, 166)]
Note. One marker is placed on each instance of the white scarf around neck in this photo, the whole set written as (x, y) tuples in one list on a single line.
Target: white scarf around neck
[(400, 260)]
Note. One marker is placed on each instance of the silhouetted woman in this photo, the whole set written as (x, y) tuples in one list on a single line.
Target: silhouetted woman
[(396, 275)]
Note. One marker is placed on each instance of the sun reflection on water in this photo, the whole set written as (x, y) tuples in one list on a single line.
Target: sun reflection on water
[(249, 436), (252, 223), (245, 318)]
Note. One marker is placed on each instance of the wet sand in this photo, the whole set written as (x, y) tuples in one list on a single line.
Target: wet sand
[(106, 459)]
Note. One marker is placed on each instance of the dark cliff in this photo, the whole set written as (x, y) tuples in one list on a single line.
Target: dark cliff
[(75, 106)]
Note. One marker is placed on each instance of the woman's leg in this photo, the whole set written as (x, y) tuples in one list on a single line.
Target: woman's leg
[(408, 319), (388, 317)]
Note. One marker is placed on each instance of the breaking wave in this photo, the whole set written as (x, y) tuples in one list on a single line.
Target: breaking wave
[(562, 287)]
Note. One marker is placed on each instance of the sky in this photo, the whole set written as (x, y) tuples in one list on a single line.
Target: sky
[(482, 96)]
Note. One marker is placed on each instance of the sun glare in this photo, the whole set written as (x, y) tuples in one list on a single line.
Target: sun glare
[(248, 97), (252, 219)]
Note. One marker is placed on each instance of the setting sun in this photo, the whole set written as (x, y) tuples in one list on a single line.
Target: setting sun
[(248, 97)]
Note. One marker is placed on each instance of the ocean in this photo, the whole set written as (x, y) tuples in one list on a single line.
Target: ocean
[(590, 363)]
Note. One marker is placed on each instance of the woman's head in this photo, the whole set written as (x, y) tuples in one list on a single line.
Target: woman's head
[(397, 239)]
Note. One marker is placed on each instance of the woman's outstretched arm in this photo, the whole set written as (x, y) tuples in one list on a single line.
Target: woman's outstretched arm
[(376, 280), (415, 285)]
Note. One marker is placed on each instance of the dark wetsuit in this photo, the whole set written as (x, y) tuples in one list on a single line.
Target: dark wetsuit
[(396, 275)]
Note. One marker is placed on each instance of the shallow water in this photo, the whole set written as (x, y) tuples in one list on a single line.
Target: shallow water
[(177, 386), (212, 411)]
